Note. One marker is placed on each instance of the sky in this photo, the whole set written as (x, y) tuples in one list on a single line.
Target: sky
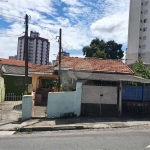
[(80, 21)]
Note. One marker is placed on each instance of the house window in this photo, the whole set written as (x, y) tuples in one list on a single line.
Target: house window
[(146, 3), (145, 20), (144, 37), (145, 12), (143, 46), (18, 81), (144, 29)]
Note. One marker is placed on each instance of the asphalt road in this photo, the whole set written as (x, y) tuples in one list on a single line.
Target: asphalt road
[(117, 139)]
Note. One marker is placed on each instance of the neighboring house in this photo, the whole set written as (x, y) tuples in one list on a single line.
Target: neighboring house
[(102, 83), (13, 72), (43, 81)]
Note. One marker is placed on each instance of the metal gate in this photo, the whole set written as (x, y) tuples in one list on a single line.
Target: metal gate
[(11, 107), (99, 100), (136, 101)]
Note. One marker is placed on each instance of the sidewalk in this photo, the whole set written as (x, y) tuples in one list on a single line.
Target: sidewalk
[(73, 124)]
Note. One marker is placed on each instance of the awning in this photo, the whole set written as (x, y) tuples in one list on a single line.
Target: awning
[(106, 77)]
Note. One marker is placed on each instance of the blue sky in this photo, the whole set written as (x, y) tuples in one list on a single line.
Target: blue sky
[(80, 20)]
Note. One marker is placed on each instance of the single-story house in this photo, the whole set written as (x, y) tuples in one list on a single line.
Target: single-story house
[(103, 83), (13, 72)]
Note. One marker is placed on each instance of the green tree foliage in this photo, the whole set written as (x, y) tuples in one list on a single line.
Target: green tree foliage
[(101, 49), (141, 70)]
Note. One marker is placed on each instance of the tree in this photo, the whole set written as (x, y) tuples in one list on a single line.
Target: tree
[(100, 49), (141, 70)]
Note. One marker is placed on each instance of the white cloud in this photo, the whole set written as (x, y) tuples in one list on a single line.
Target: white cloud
[(81, 21), (114, 24)]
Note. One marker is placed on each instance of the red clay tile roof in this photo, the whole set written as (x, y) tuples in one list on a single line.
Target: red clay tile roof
[(13, 62), (95, 65), (41, 68)]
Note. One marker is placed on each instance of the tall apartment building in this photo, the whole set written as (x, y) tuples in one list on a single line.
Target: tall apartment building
[(38, 49), (139, 32)]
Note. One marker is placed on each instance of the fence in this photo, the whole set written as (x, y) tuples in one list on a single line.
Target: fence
[(13, 97)]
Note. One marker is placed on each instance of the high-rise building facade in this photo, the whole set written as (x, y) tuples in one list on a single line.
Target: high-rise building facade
[(139, 32), (38, 49)]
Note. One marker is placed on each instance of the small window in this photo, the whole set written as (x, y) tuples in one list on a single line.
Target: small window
[(141, 3), (139, 37), (144, 29), (141, 12), (146, 3), (140, 29), (145, 12), (18, 81), (145, 20), (139, 46), (141, 20), (144, 37), (143, 46)]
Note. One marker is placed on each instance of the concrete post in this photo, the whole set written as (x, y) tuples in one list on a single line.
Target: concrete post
[(120, 99), (26, 107)]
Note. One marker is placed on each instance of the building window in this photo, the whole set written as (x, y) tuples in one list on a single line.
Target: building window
[(141, 3), (18, 81), (141, 20), (144, 37), (139, 46), (144, 29), (139, 37), (141, 12), (140, 29), (146, 3), (143, 46), (145, 12), (145, 20)]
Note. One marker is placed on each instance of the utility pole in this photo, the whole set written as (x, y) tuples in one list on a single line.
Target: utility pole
[(26, 53), (59, 72)]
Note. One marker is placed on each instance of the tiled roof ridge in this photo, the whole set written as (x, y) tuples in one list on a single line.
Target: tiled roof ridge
[(128, 67), (13, 62), (92, 58)]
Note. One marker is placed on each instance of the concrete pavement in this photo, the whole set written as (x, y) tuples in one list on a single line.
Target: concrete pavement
[(72, 124)]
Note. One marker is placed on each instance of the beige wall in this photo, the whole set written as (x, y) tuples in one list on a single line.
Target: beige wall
[(36, 76)]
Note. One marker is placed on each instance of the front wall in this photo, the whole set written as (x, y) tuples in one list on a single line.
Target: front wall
[(11, 87), (61, 104)]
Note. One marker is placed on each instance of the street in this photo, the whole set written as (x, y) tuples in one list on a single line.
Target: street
[(114, 139)]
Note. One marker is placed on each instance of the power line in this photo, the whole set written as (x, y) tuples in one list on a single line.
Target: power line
[(9, 35), (72, 47), (12, 15), (12, 18)]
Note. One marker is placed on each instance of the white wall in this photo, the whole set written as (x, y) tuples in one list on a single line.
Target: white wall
[(133, 31), (63, 103), (27, 102)]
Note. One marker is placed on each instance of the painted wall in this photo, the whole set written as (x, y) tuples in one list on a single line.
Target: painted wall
[(64, 103), (12, 86), (27, 105), (2, 90), (35, 83)]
